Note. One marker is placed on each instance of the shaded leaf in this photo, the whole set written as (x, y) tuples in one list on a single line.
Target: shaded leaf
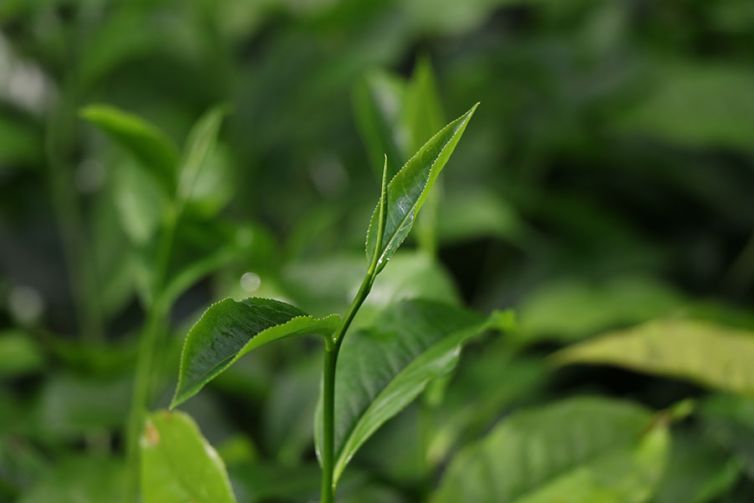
[(575, 451), (19, 354), (228, 330), (141, 139), (383, 368), (200, 145), (178, 465), (698, 471), (81, 480), (409, 188), (706, 353)]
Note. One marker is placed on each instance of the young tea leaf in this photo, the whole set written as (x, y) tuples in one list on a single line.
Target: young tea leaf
[(178, 465), (141, 139), (382, 369), (228, 330), (577, 450), (709, 354), (408, 190)]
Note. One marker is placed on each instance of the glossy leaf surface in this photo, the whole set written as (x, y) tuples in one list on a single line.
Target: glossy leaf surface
[(384, 368), (178, 465), (408, 189), (229, 329), (575, 451), (709, 354)]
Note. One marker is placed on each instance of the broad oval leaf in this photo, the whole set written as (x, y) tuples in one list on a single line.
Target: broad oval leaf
[(179, 465), (142, 140), (712, 355), (382, 369), (229, 329), (577, 450), (408, 189)]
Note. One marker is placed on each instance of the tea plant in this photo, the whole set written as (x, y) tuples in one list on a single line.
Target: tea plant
[(378, 375)]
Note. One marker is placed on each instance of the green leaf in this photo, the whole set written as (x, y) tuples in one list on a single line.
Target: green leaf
[(178, 465), (19, 354), (377, 103), (698, 471), (422, 109), (228, 330), (729, 421), (569, 310), (200, 144), (408, 189), (382, 369), (696, 104), (575, 451), (80, 480), (706, 353), (141, 139)]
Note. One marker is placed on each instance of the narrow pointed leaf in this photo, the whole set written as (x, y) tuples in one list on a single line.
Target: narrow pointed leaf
[(574, 451), (178, 465), (709, 354), (199, 145), (384, 368), (408, 190), (144, 141), (229, 329), (422, 110), (377, 103)]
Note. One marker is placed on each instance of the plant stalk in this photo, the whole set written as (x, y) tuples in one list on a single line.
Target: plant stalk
[(332, 349), (157, 314)]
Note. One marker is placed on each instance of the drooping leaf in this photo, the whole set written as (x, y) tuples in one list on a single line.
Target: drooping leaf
[(409, 188), (144, 141), (574, 451), (383, 368), (228, 330), (178, 465), (709, 354)]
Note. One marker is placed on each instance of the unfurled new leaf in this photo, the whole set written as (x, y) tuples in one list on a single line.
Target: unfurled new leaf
[(408, 190), (178, 465), (709, 354), (230, 329), (577, 450), (145, 142), (384, 368)]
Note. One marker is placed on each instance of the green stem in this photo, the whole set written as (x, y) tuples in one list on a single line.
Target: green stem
[(157, 314), (328, 408), (332, 349)]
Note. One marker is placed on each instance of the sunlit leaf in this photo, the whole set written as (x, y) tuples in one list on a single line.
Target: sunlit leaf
[(706, 353), (19, 354), (408, 189), (575, 451), (228, 330), (178, 465), (200, 145)]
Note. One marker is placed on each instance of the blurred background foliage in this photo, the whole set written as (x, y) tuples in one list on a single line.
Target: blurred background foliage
[(605, 181)]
